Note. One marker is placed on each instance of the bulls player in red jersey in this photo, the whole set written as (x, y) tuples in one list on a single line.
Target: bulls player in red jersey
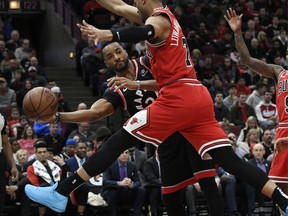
[(279, 169), (183, 105)]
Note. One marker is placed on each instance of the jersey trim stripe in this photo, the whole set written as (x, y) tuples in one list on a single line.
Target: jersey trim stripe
[(213, 144), (173, 188), (122, 98)]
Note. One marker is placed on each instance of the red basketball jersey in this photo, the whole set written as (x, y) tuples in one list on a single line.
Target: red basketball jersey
[(170, 59), (282, 99)]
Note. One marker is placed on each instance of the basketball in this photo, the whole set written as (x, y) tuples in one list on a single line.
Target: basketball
[(40, 104)]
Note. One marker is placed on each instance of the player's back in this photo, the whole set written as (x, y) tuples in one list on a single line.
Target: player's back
[(170, 59), (282, 97)]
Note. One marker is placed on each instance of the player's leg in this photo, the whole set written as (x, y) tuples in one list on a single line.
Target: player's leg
[(179, 160), (96, 164), (231, 163)]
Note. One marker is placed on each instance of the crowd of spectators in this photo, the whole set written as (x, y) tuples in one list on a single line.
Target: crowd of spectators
[(244, 101)]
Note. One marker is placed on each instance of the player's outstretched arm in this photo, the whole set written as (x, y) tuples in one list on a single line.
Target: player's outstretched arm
[(122, 82), (256, 65), (100, 109), (122, 9)]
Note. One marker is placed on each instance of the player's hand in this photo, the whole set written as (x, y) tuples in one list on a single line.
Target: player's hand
[(98, 35), (121, 82), (14, 174), (233, 20)]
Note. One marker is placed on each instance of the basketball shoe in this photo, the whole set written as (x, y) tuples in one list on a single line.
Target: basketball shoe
[(47, 196)]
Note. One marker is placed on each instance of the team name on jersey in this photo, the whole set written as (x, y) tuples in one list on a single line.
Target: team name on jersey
[(282, 87), (175, 33), (140, 101)]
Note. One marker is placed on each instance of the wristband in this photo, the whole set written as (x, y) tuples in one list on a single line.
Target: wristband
[(57, 117), (138, 82)]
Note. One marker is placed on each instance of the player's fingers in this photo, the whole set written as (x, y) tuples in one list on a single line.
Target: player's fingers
[(228, 14)]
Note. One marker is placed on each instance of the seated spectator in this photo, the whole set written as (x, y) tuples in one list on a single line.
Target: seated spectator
[(5, 63), (63, 105), (14, 119), (42, 129), (241, 86), (152, 183), (10, 72), (53, 139), (217, 86), (222, 113), (22, 52), (257, 95), (68, 150), (250, 123), (43, 172), (14, 147), (231, 99), (18, 83), (15, 40), (227, 71), (27, 87), (268, 143), (22, 158), (40, 70), (241, 111), (266, 112), (36, 79), (28, 140), (7, 95), (258, 152), (121, 184), (83, 132), (19, 127), (251, 139)]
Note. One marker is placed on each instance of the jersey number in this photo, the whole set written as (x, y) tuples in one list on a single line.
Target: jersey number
[(187, 59), (286, 104)]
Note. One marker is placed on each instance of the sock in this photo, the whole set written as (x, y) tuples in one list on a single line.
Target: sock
[(280, 198), (69, 184)]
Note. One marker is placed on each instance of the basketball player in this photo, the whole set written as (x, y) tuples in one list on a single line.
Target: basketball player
[(5, 154), (279, 169), (183, 105), (175, 166)]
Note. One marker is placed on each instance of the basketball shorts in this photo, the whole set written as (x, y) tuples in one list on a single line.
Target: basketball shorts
[(181, 165), (184, 106), (279, 168)]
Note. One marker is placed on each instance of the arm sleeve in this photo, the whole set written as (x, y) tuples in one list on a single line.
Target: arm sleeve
[(32, 177)]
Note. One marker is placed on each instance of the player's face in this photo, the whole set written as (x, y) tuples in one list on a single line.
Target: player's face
[(41, 154), (115, 57)]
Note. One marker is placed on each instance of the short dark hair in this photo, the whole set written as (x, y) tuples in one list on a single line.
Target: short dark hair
[(40, 144), (232, 85)]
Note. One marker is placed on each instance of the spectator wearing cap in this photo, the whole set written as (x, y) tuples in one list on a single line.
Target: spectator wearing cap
[(63, 105), (7, 95), (40, 70), (36, 79), (68, 150)]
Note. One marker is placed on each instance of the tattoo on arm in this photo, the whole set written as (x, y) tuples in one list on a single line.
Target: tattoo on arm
[(254, 64)]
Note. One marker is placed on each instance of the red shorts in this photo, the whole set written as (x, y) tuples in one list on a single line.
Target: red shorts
[(279, 168), (185, 106)]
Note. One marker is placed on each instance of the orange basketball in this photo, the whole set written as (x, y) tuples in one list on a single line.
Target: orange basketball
[(40, 104)]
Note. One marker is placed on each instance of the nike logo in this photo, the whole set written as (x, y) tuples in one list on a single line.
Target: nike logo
[(74, 181)]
